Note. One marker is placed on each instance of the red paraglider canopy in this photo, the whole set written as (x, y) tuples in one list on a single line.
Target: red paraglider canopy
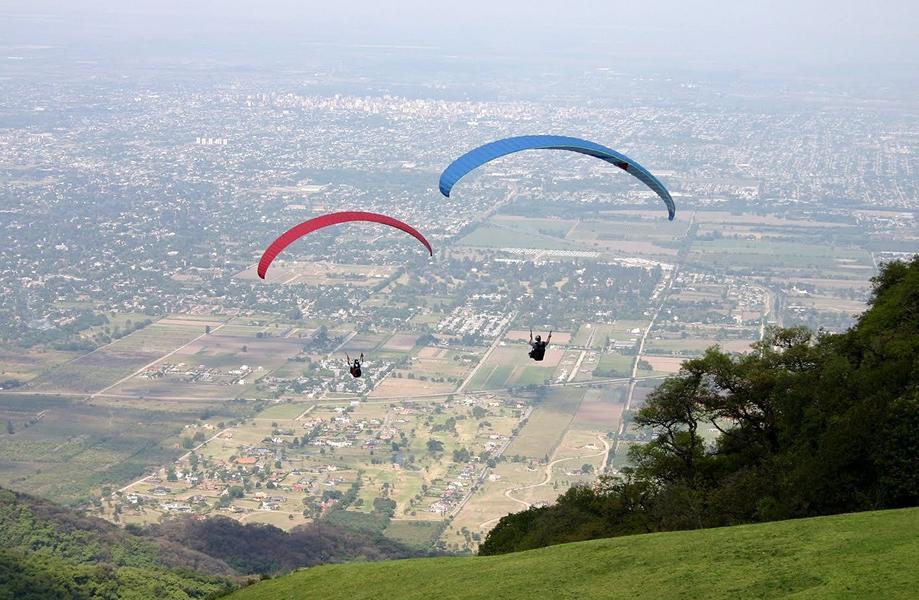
[(298, 231)]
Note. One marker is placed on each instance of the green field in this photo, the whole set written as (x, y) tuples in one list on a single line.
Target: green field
[(547, 424), (498, 236), (551, 227), (417, 534), (615, 365), (864, 555), (779, 254), (75, 448), (285, 410)]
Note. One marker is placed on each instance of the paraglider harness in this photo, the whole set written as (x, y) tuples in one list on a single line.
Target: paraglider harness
[(538, 348), (355, 367)]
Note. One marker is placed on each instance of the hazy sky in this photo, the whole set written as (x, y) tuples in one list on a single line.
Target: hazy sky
[(787, 33)]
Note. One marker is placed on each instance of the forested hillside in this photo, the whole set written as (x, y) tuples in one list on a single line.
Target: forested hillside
[(49, 551), (263, 549), (807, 424)]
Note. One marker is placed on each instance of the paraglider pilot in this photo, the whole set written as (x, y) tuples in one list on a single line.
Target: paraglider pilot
[(355, 367), (538, 347)]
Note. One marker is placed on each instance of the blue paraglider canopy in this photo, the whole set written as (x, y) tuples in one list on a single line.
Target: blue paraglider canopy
[(489, 152)]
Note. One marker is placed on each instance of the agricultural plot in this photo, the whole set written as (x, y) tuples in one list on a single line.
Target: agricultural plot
[(827, 304), (491, 235), (393, 387), (321, 273), (417, 534), (663, 364), (551, 227), (431, 370), (71, 450), (627, 238), (758, 256), (92, 372), (695, 346), (491, 501), (96, 370), (582, 335), (547, 424), (511, 366), (284, 410), (614, 364), (213, 367), (363, 342), (400, 342), (26, 365), (601, 409), (567, 467)]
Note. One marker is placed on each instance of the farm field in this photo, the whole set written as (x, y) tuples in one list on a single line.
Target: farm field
[(321, 273), (612, 237), (96, 370), (26, 366), (548, 423), (501, 236), (510, 365), (65, 449)]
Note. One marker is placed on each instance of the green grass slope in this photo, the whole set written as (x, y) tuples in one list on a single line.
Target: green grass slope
[(862, 555)]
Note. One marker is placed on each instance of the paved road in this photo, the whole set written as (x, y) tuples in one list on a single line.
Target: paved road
[(577, 365)]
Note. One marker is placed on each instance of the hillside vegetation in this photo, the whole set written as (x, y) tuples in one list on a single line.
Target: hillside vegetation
[(863, 555), (256, 548), (49, 551), (809, 424)]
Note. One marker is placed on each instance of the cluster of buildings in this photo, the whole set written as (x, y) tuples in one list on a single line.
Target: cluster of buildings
[(201, 373), (471, 320)]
